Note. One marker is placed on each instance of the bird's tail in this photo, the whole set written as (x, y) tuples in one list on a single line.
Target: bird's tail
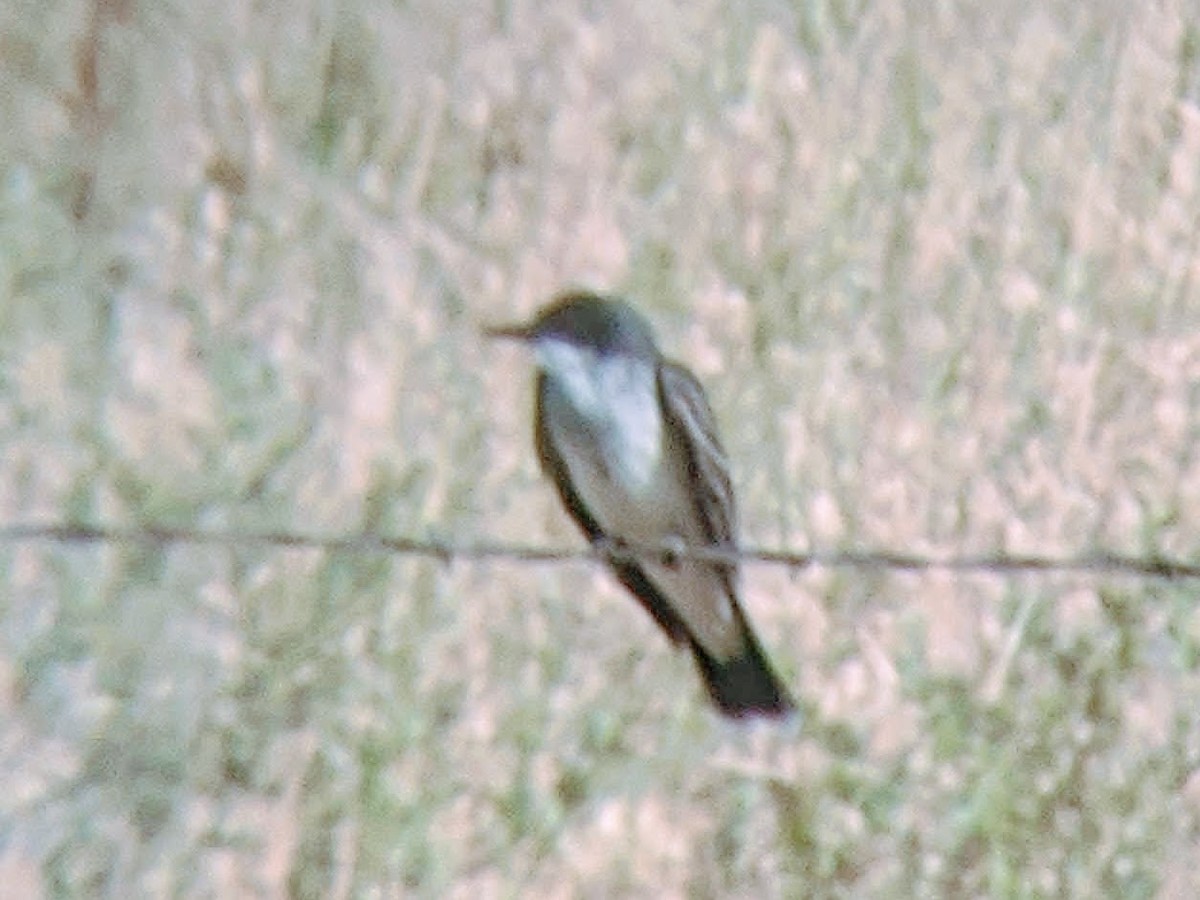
[(744, 686)]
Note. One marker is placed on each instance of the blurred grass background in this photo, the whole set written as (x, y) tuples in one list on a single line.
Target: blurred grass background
[(937, 264)]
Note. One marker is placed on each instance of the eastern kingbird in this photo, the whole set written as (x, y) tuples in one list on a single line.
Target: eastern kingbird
[(630, 442)]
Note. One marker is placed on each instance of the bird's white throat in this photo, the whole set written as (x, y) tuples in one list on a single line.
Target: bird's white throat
[(615, 400)]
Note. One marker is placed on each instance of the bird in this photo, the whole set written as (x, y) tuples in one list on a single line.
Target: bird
[(630, 442)]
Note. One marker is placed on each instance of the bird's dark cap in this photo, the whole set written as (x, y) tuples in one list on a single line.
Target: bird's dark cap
[(584, 317)]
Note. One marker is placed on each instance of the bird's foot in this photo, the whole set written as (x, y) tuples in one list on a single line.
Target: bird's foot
[(612, 550)]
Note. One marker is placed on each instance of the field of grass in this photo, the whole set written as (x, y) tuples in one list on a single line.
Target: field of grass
[(937, 264)]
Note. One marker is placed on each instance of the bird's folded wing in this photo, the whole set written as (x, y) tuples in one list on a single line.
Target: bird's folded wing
[(691, 421)]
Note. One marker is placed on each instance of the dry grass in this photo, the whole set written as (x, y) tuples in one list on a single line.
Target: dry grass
[(938, 266)]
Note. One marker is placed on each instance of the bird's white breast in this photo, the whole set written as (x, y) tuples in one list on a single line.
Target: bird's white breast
[(617, 420)]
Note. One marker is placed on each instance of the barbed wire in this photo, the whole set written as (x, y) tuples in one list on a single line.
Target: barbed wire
[(448, 551)]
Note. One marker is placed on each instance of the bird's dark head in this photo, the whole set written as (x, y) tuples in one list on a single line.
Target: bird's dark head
[(606, 325)]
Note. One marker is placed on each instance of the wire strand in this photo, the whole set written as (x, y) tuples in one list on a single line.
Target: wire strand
[(447, 551)]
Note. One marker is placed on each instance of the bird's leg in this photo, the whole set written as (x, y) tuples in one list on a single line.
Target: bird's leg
[(617, 550), (613, 549)]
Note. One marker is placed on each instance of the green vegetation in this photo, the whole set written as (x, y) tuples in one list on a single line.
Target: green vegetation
[(938, 266)]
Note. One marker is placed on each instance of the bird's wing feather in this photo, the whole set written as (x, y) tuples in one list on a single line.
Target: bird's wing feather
[(691, 421), (556, 469)]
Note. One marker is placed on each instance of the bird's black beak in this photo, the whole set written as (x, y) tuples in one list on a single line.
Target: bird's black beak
[(518, 332)]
